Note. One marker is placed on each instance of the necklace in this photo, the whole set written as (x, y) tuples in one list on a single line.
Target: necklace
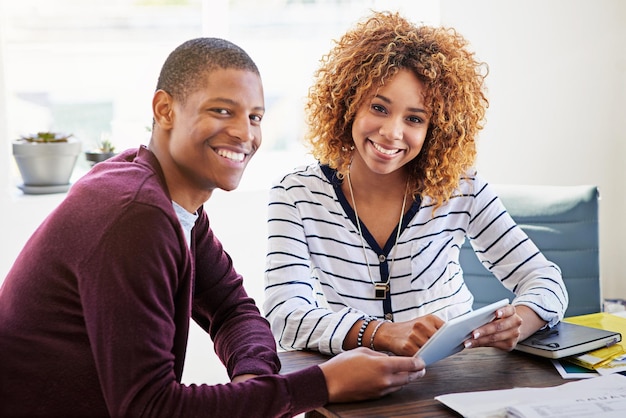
[(380, 288)]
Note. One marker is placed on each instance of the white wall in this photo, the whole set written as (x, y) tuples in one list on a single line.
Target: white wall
[(239, 219), (4, 143), (558, 101)]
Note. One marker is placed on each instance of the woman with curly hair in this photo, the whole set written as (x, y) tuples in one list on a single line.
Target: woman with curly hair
[(364, 245)]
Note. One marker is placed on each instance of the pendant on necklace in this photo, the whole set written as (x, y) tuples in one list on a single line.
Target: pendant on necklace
[(380, 290)]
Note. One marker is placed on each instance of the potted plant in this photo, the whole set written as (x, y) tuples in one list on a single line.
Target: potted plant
[(104, 151), (46, 161)]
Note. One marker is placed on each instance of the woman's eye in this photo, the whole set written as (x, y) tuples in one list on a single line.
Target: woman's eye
[(414, 119), (379, 108)]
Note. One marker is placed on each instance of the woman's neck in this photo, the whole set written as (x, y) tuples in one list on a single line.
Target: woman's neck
[(381, 200), (365, 181)]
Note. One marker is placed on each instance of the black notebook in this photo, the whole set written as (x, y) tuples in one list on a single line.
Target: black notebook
[(566, 339)]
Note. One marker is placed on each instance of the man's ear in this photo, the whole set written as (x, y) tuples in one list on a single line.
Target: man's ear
[(163, 109)]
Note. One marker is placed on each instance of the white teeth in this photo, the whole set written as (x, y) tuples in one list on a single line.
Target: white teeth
[(385, 151), (235, 156)]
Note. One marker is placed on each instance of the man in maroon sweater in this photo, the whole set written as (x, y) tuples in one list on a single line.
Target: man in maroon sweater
[(94, 314)]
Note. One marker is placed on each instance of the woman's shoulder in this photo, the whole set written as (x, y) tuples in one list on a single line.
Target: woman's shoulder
[(472, 183), (471, 186), (304, 175)]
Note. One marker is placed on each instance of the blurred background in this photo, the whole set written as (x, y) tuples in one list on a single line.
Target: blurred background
[(557, 87)]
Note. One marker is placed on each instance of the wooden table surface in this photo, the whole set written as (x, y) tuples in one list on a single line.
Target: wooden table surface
[(470, 370)]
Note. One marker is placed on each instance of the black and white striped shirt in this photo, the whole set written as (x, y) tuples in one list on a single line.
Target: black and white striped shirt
[(317, 283)]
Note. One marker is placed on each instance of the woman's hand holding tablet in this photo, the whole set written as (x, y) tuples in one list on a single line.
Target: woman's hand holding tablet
[(449, 338)]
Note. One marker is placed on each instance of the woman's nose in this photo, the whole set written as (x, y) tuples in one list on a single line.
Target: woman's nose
[(391, 129)]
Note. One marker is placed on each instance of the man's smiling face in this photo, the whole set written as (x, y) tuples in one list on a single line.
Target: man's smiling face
[(217, 130)]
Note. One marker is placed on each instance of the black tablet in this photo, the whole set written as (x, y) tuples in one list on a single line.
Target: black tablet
[(449, 338)]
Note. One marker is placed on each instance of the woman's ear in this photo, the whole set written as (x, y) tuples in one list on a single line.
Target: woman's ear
[(163, 109)]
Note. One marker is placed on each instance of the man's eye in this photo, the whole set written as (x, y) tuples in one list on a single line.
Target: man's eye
[(256, 118)]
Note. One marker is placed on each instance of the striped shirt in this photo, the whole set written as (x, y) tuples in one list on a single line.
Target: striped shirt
[(317, 283)]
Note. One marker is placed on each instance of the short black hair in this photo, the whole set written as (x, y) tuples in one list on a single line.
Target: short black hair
[(187, 65)]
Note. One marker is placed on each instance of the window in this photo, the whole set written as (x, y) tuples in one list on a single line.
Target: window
[(90, 67)]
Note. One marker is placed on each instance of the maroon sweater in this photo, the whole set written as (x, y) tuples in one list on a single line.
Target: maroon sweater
[(94, 314)]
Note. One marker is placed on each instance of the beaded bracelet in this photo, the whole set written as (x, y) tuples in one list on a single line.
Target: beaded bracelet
[(359, 338), (374, 333)]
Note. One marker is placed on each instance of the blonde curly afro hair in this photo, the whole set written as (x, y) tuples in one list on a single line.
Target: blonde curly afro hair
[(373, 52)]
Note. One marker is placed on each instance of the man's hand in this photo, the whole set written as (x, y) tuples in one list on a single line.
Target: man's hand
[(361, 374)]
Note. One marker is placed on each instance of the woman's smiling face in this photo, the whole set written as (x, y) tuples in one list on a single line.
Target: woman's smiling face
[(389, 129)]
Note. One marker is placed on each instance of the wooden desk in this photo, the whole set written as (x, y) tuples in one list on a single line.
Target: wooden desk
[(470, 370)]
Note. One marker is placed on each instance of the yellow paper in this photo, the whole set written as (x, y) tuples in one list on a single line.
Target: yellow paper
[(597, 358)]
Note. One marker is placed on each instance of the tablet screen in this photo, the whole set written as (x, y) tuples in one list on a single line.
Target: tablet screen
[(449, 338)]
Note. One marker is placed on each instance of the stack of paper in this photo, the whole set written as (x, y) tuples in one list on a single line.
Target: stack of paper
[(603, 396), (604, 360)]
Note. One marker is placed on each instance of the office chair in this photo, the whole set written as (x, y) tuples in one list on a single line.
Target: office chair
[(563, 222)]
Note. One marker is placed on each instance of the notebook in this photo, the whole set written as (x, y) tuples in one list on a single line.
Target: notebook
[(566, 339)]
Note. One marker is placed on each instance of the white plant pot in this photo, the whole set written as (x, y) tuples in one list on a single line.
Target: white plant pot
[(46, 164)]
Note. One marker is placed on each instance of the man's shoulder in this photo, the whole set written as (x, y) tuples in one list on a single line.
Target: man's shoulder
[(121, 182)]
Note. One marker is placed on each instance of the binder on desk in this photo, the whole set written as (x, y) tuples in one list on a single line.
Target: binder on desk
[(568, 339)]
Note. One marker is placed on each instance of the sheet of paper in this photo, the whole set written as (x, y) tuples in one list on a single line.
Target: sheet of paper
[(600, 407), (617, 365), (494, 403)]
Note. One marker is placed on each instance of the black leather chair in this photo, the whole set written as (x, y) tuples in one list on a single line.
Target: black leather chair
[(563, 222)]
